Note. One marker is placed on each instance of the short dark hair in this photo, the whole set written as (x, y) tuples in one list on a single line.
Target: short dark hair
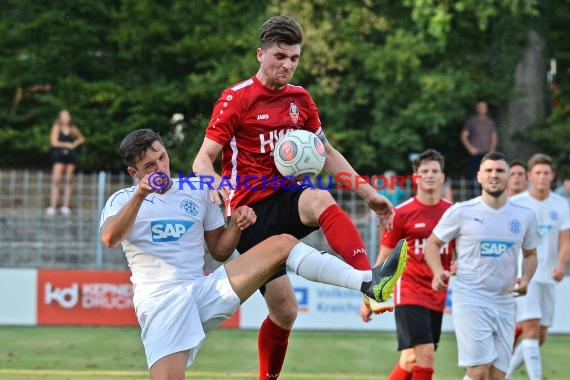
[(134, 145), (280, 29), (429, 155), (495, 156), (520, 163), (540, 158)]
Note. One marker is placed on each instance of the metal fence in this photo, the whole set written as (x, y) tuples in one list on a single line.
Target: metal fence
[(30, 238)]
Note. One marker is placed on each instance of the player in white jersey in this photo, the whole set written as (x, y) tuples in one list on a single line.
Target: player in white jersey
[(489, 231), (518, 181), (535, 312), (164, 226)]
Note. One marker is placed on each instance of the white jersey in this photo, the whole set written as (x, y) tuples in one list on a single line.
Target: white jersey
[(553, 215), (166, 247), (487, 245)]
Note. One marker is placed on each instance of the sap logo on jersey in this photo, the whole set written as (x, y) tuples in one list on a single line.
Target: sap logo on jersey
[(494, 248), (169, 230)]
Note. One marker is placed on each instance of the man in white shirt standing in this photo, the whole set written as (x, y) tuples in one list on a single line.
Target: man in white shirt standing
[(164, 227), (535, 312), (489, 231)]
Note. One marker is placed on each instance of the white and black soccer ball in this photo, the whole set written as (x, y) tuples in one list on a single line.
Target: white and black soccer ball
[(299, 153)]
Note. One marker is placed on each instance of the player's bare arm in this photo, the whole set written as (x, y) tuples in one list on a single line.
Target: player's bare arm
[(222, 241), (79, 138), (204, 163), (383, 254), (432, 257), (530, 262), (563, 255), (453, 266), (336, 163), (116, 228)]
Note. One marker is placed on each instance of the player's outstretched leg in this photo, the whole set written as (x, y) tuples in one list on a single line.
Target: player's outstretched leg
[(385, 276), (249, 271)]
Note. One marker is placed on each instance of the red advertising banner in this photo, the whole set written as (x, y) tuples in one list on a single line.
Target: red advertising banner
[(89, 297), (85, 297)]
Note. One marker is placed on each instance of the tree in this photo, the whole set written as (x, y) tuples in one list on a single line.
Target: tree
[(389, 78), (553, 135)]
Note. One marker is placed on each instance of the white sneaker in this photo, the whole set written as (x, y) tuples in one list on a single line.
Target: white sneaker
[(65, 210), (379, 307), (50, 211)]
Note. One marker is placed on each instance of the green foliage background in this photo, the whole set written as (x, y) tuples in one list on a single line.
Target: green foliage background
[(389, 77)]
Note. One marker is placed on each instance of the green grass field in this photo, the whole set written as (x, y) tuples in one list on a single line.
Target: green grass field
[(116, 353)]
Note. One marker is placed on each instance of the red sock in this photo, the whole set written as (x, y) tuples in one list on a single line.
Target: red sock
[(398, 373), (518, 332), (272, 346), (422, 373), (343, 237)]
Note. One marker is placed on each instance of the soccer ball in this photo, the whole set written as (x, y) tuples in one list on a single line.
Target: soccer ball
[(299, 153)]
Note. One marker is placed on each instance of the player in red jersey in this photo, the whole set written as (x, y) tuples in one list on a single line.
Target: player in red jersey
[(418, 308), (246, 122)]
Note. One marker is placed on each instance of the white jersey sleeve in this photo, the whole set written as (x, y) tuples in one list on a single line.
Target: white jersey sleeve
[(530, 240), (448, 226), (565, 217), (213, 218), (115, 203)]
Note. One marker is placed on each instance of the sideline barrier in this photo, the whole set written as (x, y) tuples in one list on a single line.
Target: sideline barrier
[(104, 298), (325, 307), (70, 297)]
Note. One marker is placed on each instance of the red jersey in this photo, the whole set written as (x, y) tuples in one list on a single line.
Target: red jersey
[(247, 120), (415, 222)]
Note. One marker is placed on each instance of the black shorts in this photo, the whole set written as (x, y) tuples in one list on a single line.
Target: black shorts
[(276, 214), (62, 156), (417, 325)]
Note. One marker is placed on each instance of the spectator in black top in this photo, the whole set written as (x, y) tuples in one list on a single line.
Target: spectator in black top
[(65, 137)]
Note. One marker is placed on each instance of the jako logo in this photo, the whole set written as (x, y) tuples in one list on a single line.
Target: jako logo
[(169, 230), (263, 116), (494, 248), (65, 297)]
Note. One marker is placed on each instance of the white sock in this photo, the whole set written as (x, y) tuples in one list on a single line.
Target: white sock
[(531, 351), (516, 361), (322, 267), (467, 378)]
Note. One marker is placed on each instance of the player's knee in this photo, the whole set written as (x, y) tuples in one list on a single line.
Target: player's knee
[(283, 243), (322, 198), (425, 355), (478, 372), (425, 359), (282, 307), (284, 315), (407, 362)]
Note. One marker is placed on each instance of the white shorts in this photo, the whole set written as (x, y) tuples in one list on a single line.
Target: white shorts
[(179, 319), (538, 303), (484, 336)]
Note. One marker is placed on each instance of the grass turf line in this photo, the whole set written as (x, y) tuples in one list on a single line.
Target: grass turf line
[(86, 353)]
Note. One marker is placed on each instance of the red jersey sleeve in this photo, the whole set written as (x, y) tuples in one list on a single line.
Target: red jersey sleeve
[(225, 118), (391, 237), (313, 123)]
